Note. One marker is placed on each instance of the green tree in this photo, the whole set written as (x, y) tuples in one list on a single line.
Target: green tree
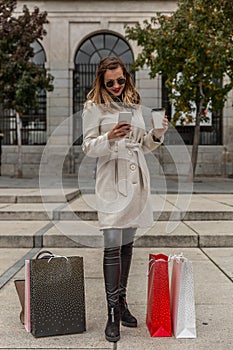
[(193, 49), (20, 78)]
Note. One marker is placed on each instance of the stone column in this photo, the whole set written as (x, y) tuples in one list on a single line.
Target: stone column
[(228, 135), (59, 101)]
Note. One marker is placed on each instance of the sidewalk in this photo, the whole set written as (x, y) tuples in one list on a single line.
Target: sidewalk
[(213, 296), (204, 235)]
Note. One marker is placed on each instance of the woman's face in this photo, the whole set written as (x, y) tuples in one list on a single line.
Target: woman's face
[(114, 81)]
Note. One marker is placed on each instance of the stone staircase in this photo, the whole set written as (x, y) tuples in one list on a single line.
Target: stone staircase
[(29, 219)]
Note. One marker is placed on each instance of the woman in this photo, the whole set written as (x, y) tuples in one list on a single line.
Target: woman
[(122, 178)]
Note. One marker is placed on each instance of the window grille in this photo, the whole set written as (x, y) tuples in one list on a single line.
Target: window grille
[(87, 59)]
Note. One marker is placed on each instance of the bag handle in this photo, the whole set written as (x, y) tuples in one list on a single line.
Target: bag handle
[(175, 257), (49, 254)]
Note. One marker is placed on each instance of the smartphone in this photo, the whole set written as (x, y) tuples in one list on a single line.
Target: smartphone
[(125, 117), (157, 115)]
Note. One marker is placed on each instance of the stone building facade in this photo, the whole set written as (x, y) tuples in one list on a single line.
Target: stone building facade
[(78, 34)]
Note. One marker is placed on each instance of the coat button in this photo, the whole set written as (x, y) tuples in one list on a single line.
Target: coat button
[(132, 167)]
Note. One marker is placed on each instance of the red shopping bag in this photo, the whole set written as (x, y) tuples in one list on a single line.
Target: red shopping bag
[(158, 318)]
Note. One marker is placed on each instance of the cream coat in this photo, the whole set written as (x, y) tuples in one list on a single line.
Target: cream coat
[(122, 177)]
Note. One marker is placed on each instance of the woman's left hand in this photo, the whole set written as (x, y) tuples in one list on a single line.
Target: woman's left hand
[(158, 133)]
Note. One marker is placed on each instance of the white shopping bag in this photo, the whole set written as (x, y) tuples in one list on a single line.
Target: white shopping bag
[(182, 298)]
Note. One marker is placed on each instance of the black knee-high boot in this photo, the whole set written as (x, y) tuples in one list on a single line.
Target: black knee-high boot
[(111, 267), (127, 318)]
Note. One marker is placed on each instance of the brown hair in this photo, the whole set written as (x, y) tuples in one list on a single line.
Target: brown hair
[(99, 95)]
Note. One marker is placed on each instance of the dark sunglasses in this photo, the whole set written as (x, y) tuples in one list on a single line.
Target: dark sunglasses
[(120, 81)]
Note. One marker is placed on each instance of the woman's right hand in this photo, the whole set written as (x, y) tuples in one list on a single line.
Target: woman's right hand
[(119, 131)]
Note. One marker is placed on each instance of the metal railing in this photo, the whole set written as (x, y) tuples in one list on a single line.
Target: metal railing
[(33, 129)]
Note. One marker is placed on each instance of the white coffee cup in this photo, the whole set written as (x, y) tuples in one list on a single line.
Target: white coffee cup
[(157, 115)]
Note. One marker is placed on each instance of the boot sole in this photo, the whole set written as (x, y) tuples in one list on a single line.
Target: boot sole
[(131, 325), (112, 340)]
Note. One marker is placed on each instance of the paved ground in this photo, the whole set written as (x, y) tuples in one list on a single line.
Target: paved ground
[(204, 236), (213, 295)]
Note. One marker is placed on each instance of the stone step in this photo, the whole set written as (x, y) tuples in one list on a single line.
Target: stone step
[(23, 234), (26, 211), (33, 195), (29, 234), (165, 207), (38, 213)]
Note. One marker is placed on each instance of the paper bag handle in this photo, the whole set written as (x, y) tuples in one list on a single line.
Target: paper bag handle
[(49, 254)]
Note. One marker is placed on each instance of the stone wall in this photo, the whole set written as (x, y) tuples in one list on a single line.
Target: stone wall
[(31, 156), (174, 160), (31, 159), (169, 159)]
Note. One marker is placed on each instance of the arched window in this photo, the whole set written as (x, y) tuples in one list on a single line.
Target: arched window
[(34, 121), (101, 45), (87, 58), (39, 54), (39, 59), (33, 128)]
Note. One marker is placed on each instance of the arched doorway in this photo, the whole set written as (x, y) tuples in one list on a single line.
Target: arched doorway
[(87, 58)]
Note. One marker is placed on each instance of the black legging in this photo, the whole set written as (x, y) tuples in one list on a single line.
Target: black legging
[(118, 247)]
